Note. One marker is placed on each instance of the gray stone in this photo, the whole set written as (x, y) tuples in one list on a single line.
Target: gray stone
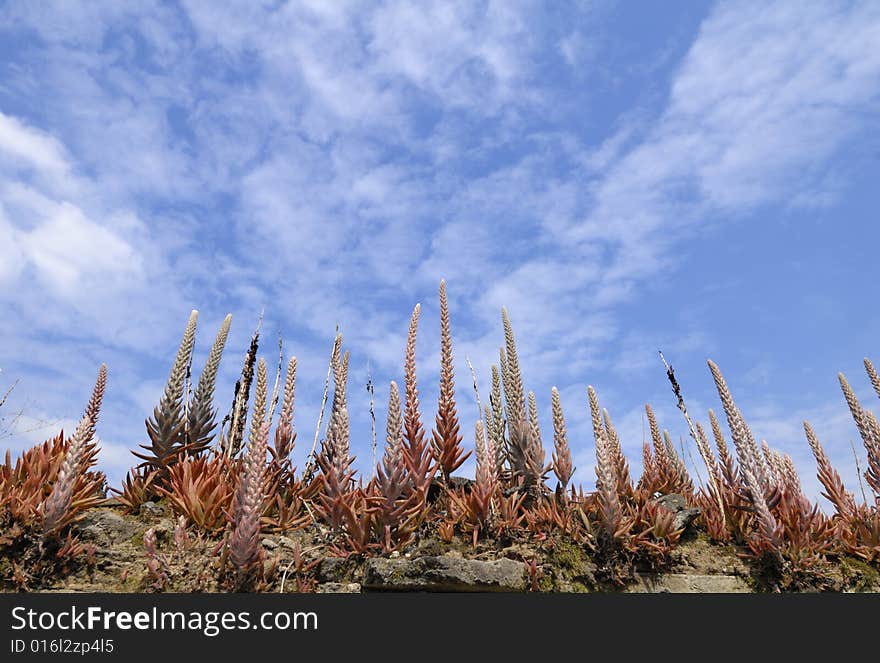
[(445, 574), (164, 529), (684, 583), (339, 588), (269, 544), (105, 527), (330, 569), (676, 503), (673, 501), (685, 517), (152, 509)]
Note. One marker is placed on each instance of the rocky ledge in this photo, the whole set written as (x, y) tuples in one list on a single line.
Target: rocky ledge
[(444, 574)]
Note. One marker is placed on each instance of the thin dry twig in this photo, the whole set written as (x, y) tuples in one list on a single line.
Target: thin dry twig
[(310, 464), (370, 390), (476, 388), (704, 451), (273, 402), (8, 391), (858, 471)]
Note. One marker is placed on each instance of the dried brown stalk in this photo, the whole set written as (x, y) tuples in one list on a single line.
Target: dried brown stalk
[(371, 392), (701, 442), (237, 417)]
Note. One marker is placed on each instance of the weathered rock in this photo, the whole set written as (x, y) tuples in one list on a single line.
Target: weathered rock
[(685, 517), (339, 588), (164, 529), (681, 583), (106, 527), (444, 574), (568, 587), (152, 510), (676, 503), (673, 501), (332, 569)]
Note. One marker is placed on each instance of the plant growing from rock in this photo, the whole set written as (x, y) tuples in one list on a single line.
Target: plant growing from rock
[(760, 491), (49, 488), (869, 430), (415, 451), (446, 438), (524, 448), (245, 551), (473, 508), (563, 467), (180, 428), (64, 505), (201, 489), (396, 507), (231, 441), (229, 500)]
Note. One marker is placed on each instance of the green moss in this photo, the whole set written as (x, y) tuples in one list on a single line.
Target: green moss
[(545, 584), (571, 567), (397, 576), (859, 575), (134, 582), (568, 556)]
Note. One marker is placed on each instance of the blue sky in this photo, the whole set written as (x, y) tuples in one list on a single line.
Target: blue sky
[(699, 178)]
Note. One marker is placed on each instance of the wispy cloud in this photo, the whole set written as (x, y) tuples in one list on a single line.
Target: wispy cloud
[(30, 147)]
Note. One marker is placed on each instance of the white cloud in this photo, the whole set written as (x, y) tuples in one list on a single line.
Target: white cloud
[(71, 252), (31, 146), (25, 430), (12, 258), (764, 97)]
